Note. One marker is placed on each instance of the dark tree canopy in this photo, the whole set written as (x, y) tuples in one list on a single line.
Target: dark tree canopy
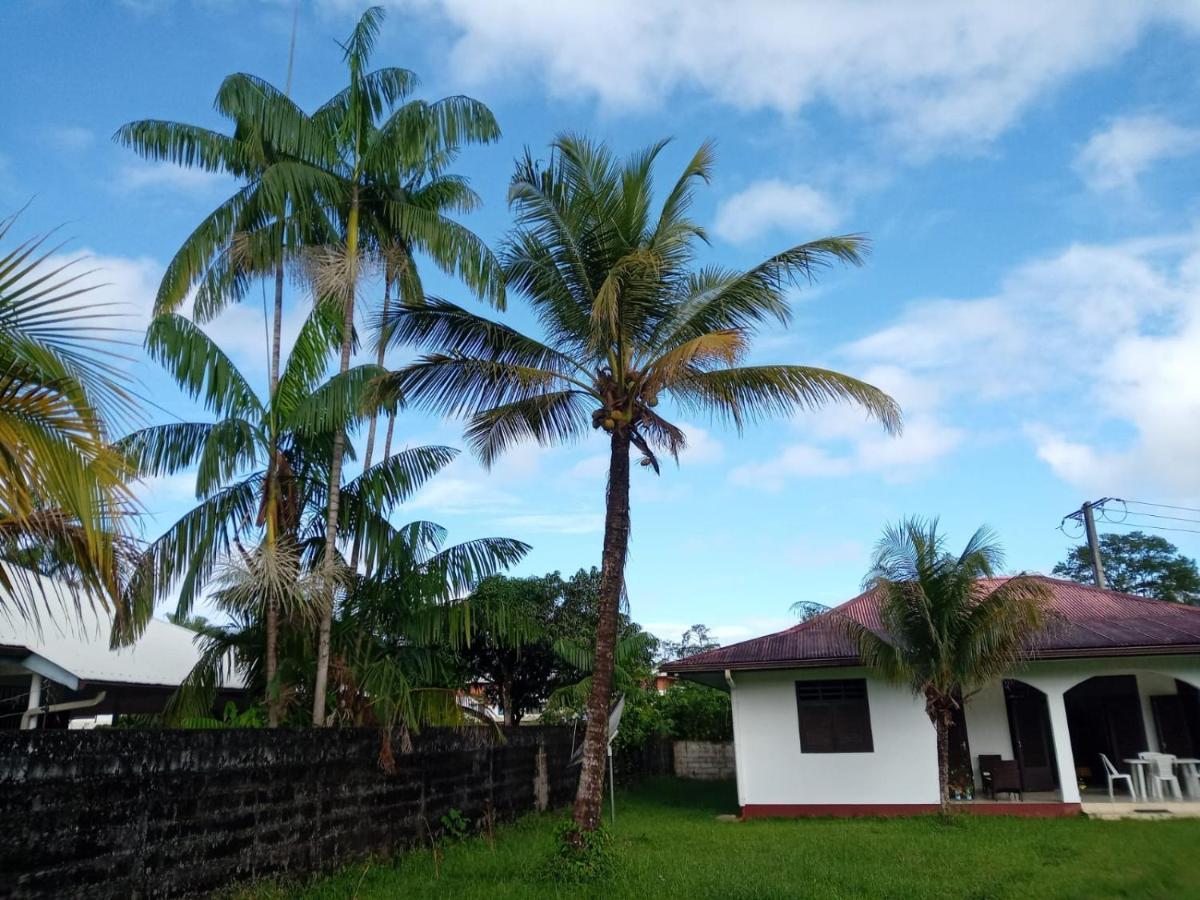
[(1138, 563), (520, 670)]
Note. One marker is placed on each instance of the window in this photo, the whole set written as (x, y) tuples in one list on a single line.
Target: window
[(834, 716)]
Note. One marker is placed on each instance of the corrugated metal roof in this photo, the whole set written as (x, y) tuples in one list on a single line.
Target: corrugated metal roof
[(1088, 622), (79, 643)]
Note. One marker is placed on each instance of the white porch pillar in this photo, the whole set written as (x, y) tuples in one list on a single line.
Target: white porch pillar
[(29, 722), (1064, 758)]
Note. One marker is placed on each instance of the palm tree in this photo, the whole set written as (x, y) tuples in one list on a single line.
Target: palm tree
[(356, 168), (629, 322), (947, 628), (252, 233), (63, 492), (260, 465), (394, 634)]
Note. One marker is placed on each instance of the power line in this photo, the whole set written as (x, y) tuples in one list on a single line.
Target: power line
[(1163, 506), (1157, 516), (1155, 527)]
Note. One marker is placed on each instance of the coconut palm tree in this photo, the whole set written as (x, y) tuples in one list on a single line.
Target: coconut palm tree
[(629, 322), (63, 493), (261, 464), (949, 628)]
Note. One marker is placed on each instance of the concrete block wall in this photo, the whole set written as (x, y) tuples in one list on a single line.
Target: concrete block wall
[(704, 760), (139, 814)]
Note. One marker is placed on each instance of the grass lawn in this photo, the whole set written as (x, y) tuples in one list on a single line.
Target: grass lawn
[(671, 845)]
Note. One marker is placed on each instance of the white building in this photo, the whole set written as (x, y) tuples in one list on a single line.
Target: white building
[(818, 734), (62, 672)]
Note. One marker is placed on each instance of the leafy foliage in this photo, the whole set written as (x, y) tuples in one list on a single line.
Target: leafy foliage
[(63, 494), (1137, 563), (945, 633), (581, 857), (696, 639), (541, 649), (696, 712)]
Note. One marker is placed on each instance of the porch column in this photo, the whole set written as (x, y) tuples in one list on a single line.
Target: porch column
[(1063, 756), (29, 720)]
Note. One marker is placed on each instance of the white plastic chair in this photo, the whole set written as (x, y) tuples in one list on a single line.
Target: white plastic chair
[(1162, 772), (1113, 775)]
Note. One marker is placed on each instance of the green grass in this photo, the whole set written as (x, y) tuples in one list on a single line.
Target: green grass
[(671, 846)]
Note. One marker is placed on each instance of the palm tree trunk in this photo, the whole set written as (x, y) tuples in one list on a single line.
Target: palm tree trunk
[(369, 451), (277, 326), (387, 441), (272, 623), (335, 478), (590, 796), (939, 714)]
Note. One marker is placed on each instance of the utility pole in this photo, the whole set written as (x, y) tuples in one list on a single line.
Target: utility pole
[(1084, 515)]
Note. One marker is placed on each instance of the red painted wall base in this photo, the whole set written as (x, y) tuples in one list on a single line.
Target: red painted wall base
[(856, 810)]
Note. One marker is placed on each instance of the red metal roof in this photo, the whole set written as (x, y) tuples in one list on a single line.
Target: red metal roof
[(1088, 622)]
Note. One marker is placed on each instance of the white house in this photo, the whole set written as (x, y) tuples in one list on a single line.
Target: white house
[(818, 734), (62, 672)]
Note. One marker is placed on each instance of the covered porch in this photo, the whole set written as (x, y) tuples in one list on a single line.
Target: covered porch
[(1048, 729)]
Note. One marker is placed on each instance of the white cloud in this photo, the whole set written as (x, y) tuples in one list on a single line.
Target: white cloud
[(158, 175), (457, 495), (1149, 382), (1115, 157), (70, 138), (871, 451), (702, 448), (947, 72), (796, 461), (765, 206), (554, 523), (1092, 349), (590, 468)]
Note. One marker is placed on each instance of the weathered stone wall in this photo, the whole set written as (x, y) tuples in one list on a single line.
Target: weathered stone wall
[(704, 760), (102, 814)]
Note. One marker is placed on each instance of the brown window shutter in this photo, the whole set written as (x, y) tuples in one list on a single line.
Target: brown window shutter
[(834, 716)]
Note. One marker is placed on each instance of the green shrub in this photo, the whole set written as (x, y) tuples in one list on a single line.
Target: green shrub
[(580, 856), (642, 719), (695, 712)]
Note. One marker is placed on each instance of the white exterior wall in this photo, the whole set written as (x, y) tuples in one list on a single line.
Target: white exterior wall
[(772, 770), (903, 767)]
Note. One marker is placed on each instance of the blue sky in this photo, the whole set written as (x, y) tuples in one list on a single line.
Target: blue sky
[(1026, 172)]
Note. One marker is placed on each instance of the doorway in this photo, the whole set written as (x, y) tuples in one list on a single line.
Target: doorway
[(1029, 727), (1104, 715)]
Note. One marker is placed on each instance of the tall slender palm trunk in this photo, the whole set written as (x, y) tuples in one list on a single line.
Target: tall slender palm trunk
[(272, 624), (387, 441), (335, 476), (590, 797), (369, 451)]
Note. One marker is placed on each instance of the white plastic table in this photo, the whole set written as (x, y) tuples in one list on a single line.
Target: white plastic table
[(1191, 775), (1139, 768)]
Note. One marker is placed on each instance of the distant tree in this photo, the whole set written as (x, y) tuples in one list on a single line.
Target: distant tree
[(517, 668), (1138, 563), (807, 609), (696, 639), (188, 621), (543, 647), (696, 712)]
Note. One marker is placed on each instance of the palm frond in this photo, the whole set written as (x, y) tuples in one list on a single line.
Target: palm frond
[(200, 367), (750, 393)]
